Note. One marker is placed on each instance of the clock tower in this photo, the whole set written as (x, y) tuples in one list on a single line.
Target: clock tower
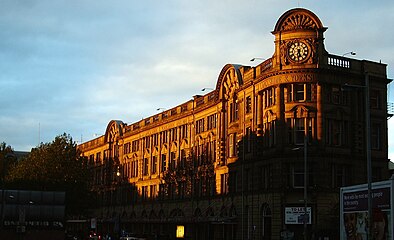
[(298, 40)]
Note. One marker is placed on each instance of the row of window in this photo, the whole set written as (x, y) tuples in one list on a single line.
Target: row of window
[(232, 182), (204, 154), (171, 135)]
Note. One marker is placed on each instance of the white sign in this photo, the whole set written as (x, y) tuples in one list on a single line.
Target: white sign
[(93, 223), (295, 215)]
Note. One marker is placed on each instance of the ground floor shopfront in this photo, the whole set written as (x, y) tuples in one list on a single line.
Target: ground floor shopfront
[(251, 216)]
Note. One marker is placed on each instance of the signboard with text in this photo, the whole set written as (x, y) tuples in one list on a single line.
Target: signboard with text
[(296, 215), (354, 211)]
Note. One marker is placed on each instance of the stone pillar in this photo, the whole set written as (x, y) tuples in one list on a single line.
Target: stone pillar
[(319, 100), (259, 114)]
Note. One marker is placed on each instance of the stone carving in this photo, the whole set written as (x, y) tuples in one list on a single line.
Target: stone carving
[(298, 21)]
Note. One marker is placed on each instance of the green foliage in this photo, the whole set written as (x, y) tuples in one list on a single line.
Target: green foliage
[(55, 166)]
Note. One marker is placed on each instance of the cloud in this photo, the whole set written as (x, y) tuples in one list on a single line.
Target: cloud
[(72, 66)]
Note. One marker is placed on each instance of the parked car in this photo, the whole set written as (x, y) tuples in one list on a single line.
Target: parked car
[(131, 237), (94, 236)]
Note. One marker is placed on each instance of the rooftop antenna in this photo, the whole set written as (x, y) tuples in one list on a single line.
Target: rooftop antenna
[(39, 132)]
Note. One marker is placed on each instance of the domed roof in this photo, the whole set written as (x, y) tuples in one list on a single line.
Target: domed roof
[(298, 18)]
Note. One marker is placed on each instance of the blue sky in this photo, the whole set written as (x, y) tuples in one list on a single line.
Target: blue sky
[(72, 66)]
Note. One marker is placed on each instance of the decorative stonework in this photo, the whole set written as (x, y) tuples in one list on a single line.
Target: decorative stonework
[(310, 43), (298, 21)]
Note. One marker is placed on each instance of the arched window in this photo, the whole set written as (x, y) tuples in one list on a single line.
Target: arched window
[(266, 221)]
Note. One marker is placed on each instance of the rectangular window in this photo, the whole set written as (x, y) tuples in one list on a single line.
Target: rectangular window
[(200, 126), (299, 92), (248, 106), (98, 157), (264, 177), (232, 182), (135, 146), (172, 161), (299, 130), (155, 139), (375, 136), (339, 175), (182, 158), (91, 159), (233, 113), (153, 191), (163, 163), (298, 177), (248, 142), (232, 146), (164, 138), (144, 192), (147, 142), (212, 121), (154, 164), (134, 169), (223, 183), (336, 132), (146, 166), (374, 99), (183, 130), (174, 135), (126, 148)]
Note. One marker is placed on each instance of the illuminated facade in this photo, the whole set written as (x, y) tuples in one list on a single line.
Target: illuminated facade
[(230, 164)]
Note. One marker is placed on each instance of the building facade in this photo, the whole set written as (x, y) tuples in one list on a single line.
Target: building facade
[(232, 164)]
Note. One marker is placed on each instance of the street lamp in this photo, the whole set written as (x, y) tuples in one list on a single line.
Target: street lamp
[(257, 58), (204, 89), (305, 217), (349, 53), (367, 143)]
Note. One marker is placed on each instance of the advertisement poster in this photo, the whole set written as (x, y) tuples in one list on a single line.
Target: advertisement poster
[(354, 212)]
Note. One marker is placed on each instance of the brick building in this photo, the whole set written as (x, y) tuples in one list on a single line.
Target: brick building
[(230, 164)]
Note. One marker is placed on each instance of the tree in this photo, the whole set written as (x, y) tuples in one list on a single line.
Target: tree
[(193, 176), (7, 159), (54, 166)]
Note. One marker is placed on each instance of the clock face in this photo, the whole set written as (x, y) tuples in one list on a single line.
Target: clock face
[(298, 51)]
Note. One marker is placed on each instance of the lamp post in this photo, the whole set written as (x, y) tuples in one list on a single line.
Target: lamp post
[(257, 58), (367, 145), (349, 53), (205, 89), (305, 218)]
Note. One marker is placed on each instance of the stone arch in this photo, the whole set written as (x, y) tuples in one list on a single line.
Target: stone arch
[(177, 212), (298, 18), (197, 212), (114, 131), (233, 211), (210, 212), (133, 215), (161, 214), (269, 116), (300, 111), (184, 144), (229, 81), (265, 221), (152, 214), (144, 214), (223, 211)]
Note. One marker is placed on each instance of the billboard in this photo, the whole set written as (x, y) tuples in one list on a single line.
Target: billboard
[(354, 211)]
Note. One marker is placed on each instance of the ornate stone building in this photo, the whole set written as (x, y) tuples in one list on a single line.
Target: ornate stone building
[(231, 164)]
